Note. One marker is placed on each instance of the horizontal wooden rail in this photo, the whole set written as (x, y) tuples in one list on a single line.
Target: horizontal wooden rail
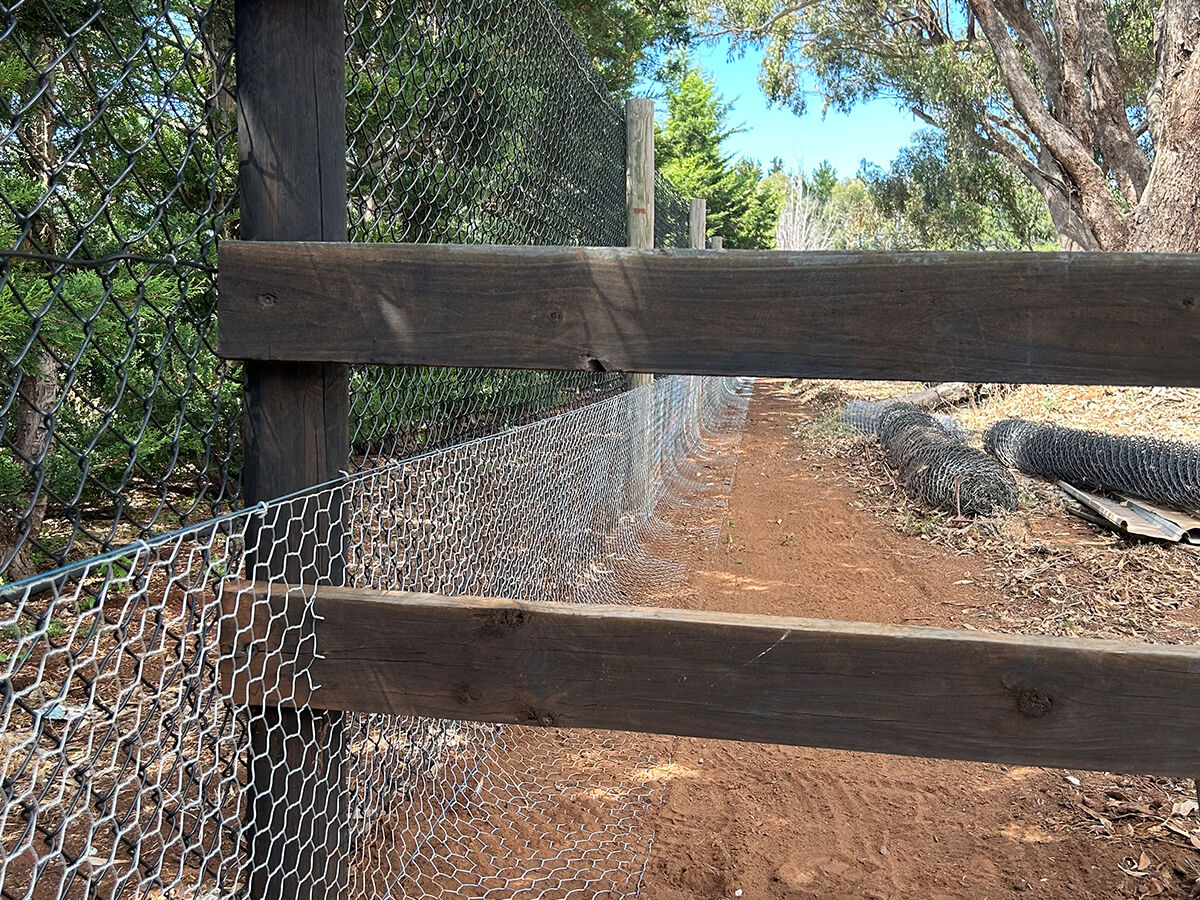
[(1108, 318), (1084, 704)]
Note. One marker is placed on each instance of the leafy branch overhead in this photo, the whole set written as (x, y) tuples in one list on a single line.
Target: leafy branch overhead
[(1093, 102)]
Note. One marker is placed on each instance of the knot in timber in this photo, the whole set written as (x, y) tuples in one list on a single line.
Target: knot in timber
[(529, 715), (1031, 703), (501, 623)]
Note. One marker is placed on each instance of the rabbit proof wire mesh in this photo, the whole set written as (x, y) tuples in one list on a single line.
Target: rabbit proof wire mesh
[(931, 456), (1151, 468), (126, 754), (468, 121)]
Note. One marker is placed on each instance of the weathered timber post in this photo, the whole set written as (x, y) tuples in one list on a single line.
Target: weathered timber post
[(639, 170), (292, 177), (639, 212), (698, 239), (639, 183), (698, 224), (718, 243)]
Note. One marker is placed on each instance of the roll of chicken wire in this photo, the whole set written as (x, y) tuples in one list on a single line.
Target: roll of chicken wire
[(938, 468), (863, 415), (934, 463), (1164, 471)]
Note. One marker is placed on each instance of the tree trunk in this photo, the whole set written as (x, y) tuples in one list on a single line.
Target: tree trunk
[(1168, 217), (31, 430), (31, 437)]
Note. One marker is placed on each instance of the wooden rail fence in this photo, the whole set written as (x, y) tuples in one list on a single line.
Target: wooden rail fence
[(298, 303)]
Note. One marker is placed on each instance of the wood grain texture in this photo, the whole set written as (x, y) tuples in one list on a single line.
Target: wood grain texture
[(292, 180), (1088, 704), (1104, 318), (698, 224), (639, 170)]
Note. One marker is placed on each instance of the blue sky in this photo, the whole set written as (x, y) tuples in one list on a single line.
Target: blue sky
[(873, 131)]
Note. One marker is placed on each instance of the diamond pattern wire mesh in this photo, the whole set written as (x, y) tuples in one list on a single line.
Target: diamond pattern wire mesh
[(475, 123), (125, 745), (117, 177), (671, 213), (468, 122)]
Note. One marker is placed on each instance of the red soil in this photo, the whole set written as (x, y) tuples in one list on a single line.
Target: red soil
[(783, 822)]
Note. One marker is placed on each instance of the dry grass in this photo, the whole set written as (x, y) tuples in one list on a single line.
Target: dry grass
[(1055, 573)]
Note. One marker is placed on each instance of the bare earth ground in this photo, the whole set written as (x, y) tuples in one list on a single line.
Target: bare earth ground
[(761, 821)]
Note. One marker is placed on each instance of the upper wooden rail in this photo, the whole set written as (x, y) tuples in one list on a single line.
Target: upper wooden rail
[(1088, 704), (1108, 318)]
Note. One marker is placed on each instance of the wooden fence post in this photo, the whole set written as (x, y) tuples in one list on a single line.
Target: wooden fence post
[(639, 183), (292, 177), (639, 211), (698, 224), (718, 243), (639, 171)]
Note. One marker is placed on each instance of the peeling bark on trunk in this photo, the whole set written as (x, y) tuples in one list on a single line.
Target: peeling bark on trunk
[(1071, 146), (1168, 217)]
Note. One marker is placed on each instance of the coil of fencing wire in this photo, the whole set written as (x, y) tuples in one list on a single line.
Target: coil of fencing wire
[(934, 464), (864, 415), (1164, 471)]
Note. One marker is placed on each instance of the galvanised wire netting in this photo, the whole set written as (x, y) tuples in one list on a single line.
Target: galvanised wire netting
[(671, 214), (929, 452), (127, 747), (467, 122), (1154, 469)]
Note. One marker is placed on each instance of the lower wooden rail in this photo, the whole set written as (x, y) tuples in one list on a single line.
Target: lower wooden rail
[(1086, 704)]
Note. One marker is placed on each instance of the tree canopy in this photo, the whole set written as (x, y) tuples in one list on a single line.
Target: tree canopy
[(743, 206), (1093, 102), (626, 38)]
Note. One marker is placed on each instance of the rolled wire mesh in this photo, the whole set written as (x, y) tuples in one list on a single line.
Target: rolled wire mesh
[(1164, 471), (935, 465), (864, 415), (126, 748)]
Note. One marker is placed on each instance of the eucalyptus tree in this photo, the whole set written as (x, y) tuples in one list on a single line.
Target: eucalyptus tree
[(1096, 103)]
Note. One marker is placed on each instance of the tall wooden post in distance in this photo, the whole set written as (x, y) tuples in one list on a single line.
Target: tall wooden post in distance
[(639, 171), (698, 224), (639, 212), (292, 177), (639, 183)]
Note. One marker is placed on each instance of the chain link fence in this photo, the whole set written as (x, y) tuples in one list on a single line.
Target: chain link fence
[(118, 165), (1151, 468), (467, 123), (130, 765)]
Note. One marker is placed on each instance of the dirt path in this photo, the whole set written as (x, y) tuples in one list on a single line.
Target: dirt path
[(776, 822)]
